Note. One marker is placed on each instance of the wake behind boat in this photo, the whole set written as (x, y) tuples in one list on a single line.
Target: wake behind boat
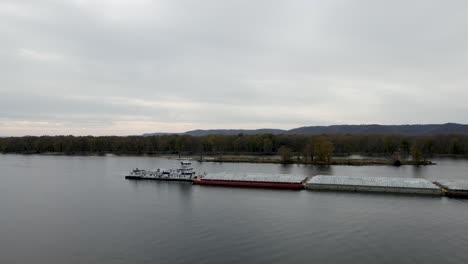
[(184, 173)]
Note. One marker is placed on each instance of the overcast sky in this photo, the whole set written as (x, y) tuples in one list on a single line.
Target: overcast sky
[(133, 66)]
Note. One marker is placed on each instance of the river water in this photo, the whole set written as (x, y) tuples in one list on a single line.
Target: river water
[(73, 209)]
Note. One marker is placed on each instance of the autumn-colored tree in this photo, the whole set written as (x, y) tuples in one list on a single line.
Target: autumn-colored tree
[(285, 154), (416, 153), (323, 150)]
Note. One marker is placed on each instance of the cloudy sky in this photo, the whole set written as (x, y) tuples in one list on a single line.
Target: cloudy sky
[(124, 67)]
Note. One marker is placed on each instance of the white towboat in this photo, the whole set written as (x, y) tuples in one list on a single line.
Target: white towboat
[(184, 173)]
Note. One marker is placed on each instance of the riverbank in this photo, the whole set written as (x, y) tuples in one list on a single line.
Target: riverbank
[(335, 161), (271, 159)]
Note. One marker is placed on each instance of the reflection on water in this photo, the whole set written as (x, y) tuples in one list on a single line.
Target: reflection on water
[(419, 171), (63, 209)]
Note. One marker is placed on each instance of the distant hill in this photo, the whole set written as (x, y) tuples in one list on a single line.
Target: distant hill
[(407, 130), (200, 132)]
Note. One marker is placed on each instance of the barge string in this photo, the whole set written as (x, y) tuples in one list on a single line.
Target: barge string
[(413, 186)]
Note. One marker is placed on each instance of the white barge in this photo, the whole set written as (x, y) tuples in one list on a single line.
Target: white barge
[(373, 184)]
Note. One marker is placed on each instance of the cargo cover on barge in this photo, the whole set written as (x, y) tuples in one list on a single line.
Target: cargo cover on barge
[(278, 181), (372, 184)]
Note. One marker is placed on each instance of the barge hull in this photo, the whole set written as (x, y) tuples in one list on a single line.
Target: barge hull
[(456, 194), (250, 184)]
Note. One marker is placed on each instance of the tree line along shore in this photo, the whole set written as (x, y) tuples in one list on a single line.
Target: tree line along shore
[(315, 149)]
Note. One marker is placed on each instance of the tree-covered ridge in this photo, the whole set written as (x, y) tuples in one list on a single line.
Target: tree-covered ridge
[(303, 145), (375, 129)]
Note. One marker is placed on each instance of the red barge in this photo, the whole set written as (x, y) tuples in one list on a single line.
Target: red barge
[(286, 182)]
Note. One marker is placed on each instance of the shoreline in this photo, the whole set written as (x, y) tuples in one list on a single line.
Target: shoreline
[(230, 158), (336, 161)]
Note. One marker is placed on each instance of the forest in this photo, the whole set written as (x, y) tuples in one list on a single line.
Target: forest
[(307, 146)]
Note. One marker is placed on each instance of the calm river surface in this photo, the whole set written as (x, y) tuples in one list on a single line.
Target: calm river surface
[(72, 209)]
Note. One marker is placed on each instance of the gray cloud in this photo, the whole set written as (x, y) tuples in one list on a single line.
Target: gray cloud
[(129, 67)]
